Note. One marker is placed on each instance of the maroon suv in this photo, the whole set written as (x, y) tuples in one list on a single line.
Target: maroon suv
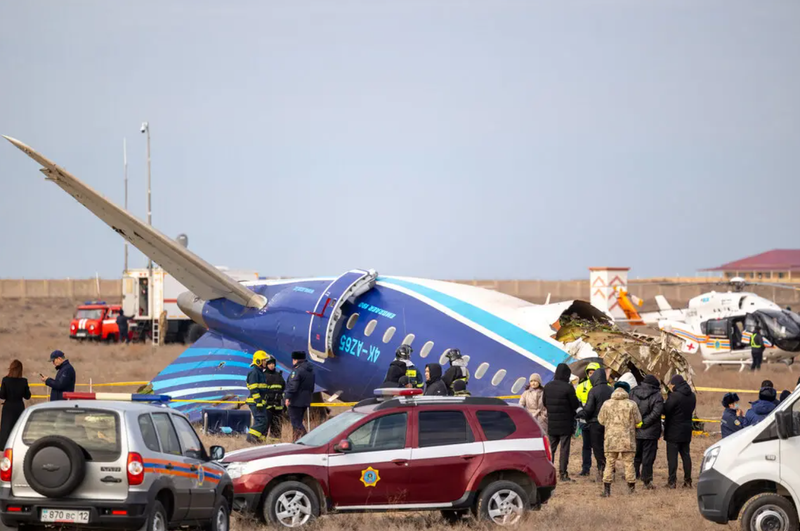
[(452, 454)]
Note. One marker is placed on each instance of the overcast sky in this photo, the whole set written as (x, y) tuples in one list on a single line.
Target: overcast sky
[(446, 139)]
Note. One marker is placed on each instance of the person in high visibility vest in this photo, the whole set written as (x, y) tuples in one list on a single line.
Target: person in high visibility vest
[(757, 349), (257, 385), (583, 395)]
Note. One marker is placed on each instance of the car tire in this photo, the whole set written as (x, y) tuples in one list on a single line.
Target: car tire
[(221, 517), (454, 517), (769, 511), (193, 333), (58, 452), (502, 503), (291, 504), (157, 519)]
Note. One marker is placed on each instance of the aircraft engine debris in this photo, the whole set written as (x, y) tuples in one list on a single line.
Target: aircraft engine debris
[(623, 351)]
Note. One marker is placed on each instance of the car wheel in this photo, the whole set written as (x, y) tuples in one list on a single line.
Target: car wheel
[(502, 503), (454, 517), (769, 512), (221, 518), (156, 518), (291, 504), (54, 466)]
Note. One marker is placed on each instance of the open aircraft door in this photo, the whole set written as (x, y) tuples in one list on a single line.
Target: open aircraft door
[(328, 310)]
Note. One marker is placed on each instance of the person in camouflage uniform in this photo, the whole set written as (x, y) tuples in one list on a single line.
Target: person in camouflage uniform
[(619, 415)]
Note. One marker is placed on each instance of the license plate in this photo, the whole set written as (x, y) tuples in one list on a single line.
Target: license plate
[(65, 516), (80, 334)]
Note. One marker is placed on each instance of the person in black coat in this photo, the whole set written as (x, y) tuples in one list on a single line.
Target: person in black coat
[(598, 394), (757, 349), (562, 405), (647, 396), (434, 386), (299, 392), (13, 390), (122, 326), (678, 412), (64, 382)]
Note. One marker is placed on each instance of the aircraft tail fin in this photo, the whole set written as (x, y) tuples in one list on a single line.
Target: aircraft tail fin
[(663, 305), (200, 277)]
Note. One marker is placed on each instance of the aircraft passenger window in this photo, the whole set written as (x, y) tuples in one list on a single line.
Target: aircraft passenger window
[(426, 349), (498, 377), (517, 387), (409, 339), (387, 336), (496, 425), (482, 368), (439, 428), (352, 321), (443, 357), (370, 327), (466, 359), (383, 433)]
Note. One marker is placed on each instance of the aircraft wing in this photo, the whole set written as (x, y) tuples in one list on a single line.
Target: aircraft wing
[(203, 279)]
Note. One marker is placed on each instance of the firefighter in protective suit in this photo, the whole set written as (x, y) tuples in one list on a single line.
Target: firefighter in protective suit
[(257, 385), (402, 366), (273, 397), (457, 370)]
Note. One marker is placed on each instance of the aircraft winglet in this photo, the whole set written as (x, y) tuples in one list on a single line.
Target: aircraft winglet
[(663, 305), (203, 279)]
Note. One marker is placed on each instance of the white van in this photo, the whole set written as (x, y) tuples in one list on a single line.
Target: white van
[(755, 473)]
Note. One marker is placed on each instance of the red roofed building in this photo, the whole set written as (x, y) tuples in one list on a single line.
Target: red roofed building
[(778, 264)]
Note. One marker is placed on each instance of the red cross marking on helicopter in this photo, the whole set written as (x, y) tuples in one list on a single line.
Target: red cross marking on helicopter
[(690, 347)]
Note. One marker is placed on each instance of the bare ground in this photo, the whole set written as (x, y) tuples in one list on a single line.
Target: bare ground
[(31, 329)]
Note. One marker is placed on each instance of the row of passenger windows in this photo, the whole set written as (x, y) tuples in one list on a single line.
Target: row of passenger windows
[(426, 350)]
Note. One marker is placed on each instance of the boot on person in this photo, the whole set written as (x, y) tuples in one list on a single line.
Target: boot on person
[(631, 488), (648, 485), (606, 490), (687, 483)]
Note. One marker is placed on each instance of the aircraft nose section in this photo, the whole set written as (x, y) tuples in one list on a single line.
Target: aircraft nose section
[(192, 306)]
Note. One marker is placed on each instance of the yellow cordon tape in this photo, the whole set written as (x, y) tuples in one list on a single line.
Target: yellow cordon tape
[(351, 404), (717, 390)]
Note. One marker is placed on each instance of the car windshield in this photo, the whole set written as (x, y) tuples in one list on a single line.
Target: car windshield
[(328, 430), (96, 431), (86, 313)]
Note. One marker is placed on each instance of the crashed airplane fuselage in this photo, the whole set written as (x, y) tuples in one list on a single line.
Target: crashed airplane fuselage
[(350, 325)]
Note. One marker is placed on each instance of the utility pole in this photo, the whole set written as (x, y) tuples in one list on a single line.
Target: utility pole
[(125, 173), (146, 129)]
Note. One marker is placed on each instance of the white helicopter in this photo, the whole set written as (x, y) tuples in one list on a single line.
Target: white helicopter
[(720, 325)]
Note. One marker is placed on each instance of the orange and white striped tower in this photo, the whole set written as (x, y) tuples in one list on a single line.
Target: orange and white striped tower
[(602, 281)]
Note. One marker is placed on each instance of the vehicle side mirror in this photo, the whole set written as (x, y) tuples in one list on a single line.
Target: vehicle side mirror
[(217, 453), (783, 419), (343, 446)]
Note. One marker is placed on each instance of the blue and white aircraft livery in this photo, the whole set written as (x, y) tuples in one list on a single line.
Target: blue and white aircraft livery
[(350, 325)]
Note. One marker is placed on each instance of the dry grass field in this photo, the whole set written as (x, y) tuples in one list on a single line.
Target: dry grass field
[(31, 329)]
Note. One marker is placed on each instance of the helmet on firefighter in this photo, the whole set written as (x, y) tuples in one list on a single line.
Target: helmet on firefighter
[(453, 354), (403, 352), (259, 356), (270, 359)]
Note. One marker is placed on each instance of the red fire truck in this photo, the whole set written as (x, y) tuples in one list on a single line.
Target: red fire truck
[(95, 320)]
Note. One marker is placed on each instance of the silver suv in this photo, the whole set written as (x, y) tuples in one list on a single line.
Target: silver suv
[(115, 465)]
